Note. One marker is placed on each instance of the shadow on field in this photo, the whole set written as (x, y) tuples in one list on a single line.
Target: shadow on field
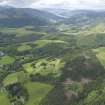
[(83, 67), (54, 97)]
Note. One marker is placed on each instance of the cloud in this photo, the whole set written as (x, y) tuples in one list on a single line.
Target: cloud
[(18, 3), (85, 4)]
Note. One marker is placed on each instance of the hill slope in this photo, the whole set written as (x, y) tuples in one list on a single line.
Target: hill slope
[(24, 16)]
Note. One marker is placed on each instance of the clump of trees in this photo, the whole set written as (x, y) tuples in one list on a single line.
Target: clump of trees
[(17, 94)]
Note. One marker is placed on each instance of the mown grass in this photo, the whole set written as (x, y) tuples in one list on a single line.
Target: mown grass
[(7, 60), (37, 91)]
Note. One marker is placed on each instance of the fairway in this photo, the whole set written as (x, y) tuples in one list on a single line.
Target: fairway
[(37, 91)]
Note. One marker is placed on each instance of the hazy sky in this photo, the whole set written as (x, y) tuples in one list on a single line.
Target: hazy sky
[(76, 4)]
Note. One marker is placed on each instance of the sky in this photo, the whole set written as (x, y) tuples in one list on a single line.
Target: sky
[(68, 4)]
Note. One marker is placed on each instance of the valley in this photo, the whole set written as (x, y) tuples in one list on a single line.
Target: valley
[(60, 61)]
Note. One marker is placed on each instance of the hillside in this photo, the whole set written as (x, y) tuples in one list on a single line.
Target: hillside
[(16, 17), (85, 17), (48, 58)]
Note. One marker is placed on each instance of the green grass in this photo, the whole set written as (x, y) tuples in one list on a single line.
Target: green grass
[(19, 31), (4, 99), (24, 47), (98, 28), (41, 43), (45, 67), (88, 40), (14, 78), (7, 60), (37, 91), (100, 54)]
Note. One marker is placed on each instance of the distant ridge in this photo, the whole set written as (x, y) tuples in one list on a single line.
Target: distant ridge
[(10, 16)]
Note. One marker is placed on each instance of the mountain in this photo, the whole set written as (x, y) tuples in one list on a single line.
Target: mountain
[(64, 12), (85, 17), (17, 17), (59, 12), (59, 64), (78, 17), (14, 17)]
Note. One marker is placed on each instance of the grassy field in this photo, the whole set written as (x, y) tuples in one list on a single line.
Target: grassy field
[(6, 60), (98, 28), (4, 99), (41, 43), (100, 54), (19, 31), (88, 41), (14, 78), (37, 91), (44, 66), (24, 47)]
